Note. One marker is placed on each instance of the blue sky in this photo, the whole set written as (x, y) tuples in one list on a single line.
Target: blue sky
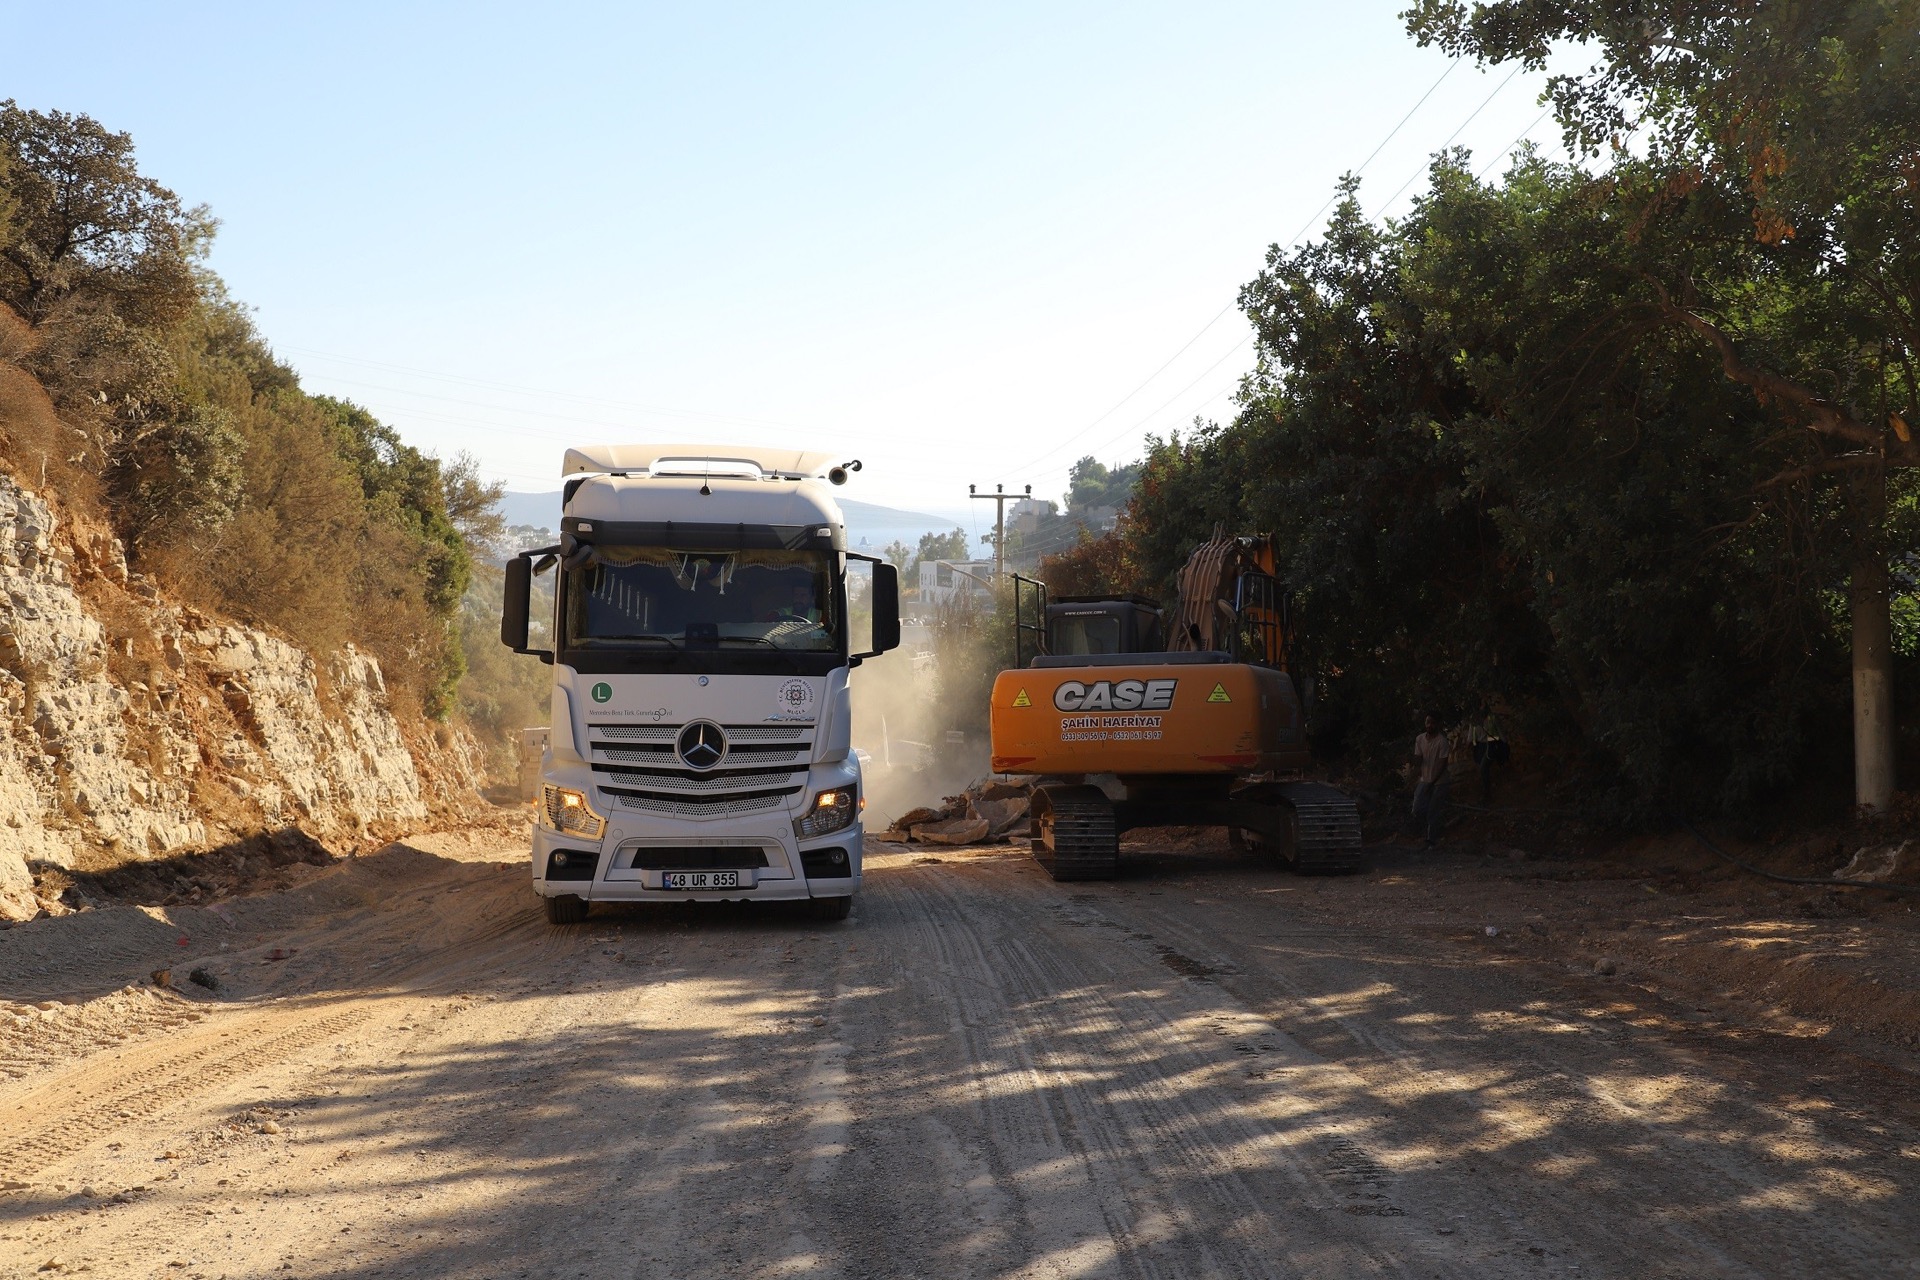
[(954, 243)]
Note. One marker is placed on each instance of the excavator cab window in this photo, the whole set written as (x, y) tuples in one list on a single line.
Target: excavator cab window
[(1151, 639), (1087, 633), (1086, 627)]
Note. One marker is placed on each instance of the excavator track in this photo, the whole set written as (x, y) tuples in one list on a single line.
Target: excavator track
[(1326, 828), (1074, 835)]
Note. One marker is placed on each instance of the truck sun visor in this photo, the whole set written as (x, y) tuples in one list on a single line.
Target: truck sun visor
[(689, 536)]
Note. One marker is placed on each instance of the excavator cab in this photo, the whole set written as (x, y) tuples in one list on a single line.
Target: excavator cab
[(1085, 626)]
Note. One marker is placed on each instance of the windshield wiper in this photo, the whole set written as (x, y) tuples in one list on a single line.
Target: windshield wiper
[(780, 649), (668, 641)]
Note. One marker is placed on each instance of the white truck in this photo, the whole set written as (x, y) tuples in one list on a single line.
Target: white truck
[(700, 736)]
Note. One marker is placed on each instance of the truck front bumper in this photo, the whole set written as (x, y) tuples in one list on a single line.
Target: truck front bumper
[(634, 866)]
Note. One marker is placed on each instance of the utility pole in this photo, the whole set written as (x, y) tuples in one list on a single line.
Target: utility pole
[(1000, 498)]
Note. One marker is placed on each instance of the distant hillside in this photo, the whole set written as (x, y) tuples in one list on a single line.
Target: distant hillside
[(867, 522)]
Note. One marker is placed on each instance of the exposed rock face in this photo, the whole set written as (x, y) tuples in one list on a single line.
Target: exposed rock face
[(301, 764), (174, 731)]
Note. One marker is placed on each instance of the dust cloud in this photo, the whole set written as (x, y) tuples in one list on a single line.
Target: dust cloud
[(918, 753)]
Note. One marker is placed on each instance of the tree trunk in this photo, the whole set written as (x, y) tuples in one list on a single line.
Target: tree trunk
[(1873, 779)]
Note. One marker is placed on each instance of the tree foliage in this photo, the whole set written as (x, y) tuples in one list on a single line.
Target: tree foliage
[(1775, 199), (1588, 439), (943, 546), (83, 222), (225, 478), (1094, 565), (1494, 470), (1092, 484), (1762, 182)]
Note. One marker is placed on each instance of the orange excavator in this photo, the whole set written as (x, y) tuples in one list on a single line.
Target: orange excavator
[(1137, 718)]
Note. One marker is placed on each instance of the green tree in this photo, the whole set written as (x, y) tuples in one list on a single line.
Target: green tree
[(322, 521), (1093, 484), (943, 546), (84, 223), (1341, 451), (1478, 442), (181, 476), (1680, 581), (1775, 203), (473, 505)]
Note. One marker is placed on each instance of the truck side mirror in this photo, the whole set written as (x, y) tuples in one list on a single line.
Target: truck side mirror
[(515, 605), (886, 608)]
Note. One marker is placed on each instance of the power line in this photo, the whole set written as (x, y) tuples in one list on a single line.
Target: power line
[(1308, 224), (543, 393), (1412, 178), (1322, 210), (1222, 313), (1504, 151), (1230, 353), (1136, 391)]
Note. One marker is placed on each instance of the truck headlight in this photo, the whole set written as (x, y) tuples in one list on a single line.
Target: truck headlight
[(829, 812), (567, 810)]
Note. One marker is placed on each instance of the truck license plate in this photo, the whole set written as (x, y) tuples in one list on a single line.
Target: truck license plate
[(700, 880)]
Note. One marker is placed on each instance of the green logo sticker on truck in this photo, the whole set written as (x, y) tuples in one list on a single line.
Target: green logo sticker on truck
[(602, 691)]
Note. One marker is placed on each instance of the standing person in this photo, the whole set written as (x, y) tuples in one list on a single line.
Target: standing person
[(1489, 741), (1430, 753)]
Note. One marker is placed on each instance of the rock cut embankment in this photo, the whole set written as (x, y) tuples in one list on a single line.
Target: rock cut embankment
[(134, 728)]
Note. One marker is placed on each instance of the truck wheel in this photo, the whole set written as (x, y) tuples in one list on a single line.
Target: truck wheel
[(833, 908), (567, 908)]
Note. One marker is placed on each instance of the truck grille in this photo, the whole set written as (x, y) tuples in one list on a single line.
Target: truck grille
[(723, 807), (764, 765)]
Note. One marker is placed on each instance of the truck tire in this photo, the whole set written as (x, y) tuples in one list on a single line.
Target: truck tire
[(833, 908), (1074, 836), (566, 908)]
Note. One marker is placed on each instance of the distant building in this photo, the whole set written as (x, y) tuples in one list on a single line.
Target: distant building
[(947, 583), (1025, 515)]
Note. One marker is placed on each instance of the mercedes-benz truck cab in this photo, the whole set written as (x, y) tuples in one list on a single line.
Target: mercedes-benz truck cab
[(701, 645)]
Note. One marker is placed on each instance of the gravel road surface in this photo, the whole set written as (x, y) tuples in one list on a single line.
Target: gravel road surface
[(1207, 1068)]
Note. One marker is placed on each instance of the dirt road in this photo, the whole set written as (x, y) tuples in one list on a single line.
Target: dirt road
[(1205, 1069)]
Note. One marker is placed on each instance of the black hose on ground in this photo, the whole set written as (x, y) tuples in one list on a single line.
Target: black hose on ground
[(1815, 881)]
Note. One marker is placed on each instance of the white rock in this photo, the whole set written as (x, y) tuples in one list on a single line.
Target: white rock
[(125, 765)]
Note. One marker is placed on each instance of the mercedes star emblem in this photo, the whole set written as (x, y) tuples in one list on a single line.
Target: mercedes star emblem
[(702, 744)]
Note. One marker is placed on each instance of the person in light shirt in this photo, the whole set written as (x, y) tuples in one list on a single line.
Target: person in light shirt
[(1430, 752)]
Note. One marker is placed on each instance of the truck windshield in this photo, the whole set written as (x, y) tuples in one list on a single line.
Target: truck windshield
[(629, 598)]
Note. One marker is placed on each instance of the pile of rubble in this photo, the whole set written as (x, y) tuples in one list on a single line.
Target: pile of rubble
[(988, 811)]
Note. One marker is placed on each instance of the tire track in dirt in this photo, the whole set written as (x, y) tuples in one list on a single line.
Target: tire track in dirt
[(118, 1094), (1126, 1074), (981, 1074), (35, 1040), (1505, 1070)]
